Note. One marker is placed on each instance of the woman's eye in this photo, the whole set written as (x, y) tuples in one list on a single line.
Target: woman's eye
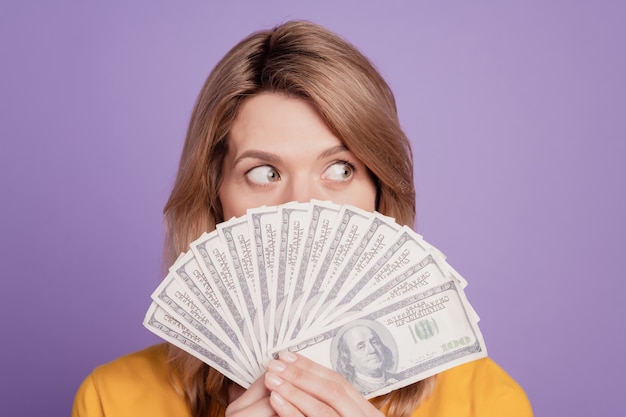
[(264, 174), (339, 171)]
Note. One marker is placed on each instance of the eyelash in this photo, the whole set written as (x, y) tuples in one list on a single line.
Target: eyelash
[(343, 161)]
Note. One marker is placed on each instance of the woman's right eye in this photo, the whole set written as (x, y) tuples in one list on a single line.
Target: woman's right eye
[(264, 174)]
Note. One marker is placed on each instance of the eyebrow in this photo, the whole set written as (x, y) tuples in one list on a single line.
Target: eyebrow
[(332, 151), (264, 156), (272, 158)]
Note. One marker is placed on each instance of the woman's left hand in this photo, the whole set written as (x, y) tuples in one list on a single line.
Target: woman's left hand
[(301, 387)]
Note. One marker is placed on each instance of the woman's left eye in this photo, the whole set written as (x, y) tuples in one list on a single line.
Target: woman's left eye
[(339, 171)]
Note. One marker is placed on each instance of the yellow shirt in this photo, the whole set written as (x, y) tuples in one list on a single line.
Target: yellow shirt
[(139, 385)]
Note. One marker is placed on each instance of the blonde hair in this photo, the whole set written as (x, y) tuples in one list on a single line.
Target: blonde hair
[(303, 60)]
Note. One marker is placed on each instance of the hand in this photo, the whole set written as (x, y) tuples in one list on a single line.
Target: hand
[(255, 401), (301, 387)]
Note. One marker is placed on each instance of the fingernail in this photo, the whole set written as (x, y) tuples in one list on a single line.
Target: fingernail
[(276, 366), (277, 397), (287, 356), (273, 379)]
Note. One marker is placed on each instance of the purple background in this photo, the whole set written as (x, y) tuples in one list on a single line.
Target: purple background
[(517, 114)]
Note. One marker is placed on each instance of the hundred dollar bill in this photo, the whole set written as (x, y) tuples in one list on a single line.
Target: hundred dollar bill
[(462, 281), (380, 233), (235, 236), (214, 263), (176, 300), (322, 218), (351, 223), (451, 271), (169, 328), (406, 248), (427, 272), (187, 271), (399, 343), (263, 224), (293, 217)]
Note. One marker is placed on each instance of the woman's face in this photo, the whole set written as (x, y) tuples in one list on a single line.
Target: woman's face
[(281, 150)]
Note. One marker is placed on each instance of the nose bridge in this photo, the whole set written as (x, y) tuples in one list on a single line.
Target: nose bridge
[(302, 188)]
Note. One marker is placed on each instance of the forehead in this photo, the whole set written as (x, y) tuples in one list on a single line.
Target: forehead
[(271, 117)]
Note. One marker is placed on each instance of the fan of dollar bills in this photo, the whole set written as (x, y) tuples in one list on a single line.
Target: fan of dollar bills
[(350, 289)]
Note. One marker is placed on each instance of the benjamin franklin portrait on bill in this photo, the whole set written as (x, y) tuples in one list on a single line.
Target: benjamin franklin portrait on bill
[(365, 354)]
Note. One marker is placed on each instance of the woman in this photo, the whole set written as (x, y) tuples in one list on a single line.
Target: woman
[(292, 113)]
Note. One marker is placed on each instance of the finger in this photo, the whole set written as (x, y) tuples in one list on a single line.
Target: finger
[(313, 394), (254, 401), (261, 408), (282, 407), (300, 403), (255, 392), (322, 372)]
